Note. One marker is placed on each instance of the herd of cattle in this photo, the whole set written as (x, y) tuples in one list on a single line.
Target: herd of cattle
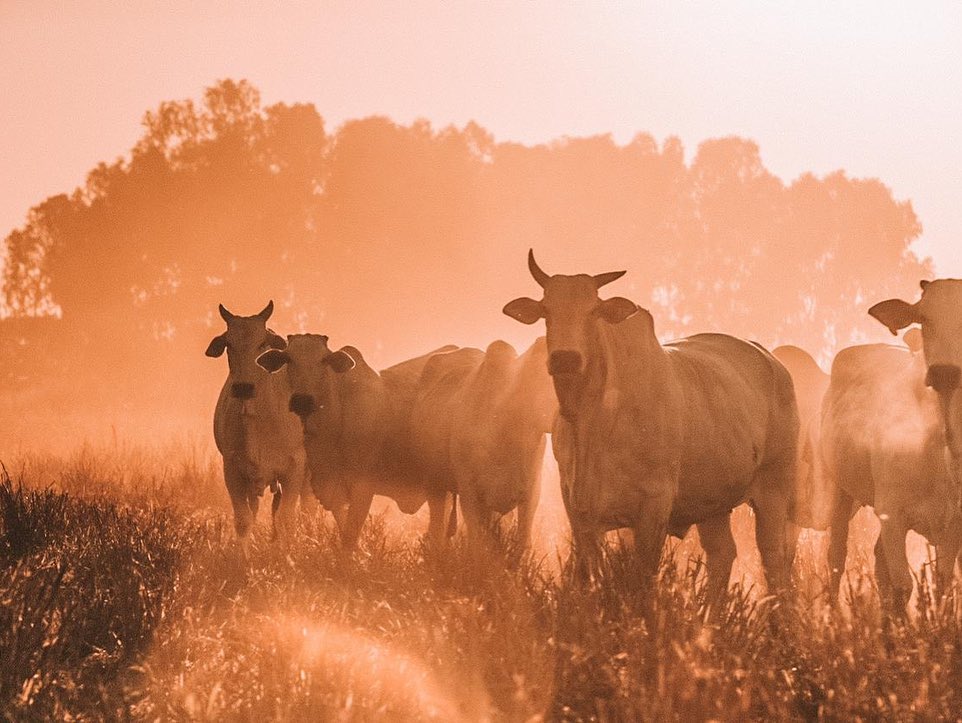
[(648, 436)]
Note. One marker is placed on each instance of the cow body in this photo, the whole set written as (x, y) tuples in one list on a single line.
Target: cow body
[(682, 441), (883, 445)]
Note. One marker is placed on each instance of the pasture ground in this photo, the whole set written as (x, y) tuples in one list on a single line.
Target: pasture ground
[(118, 600)]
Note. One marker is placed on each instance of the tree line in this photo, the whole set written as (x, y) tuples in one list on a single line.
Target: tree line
[(391, 235)]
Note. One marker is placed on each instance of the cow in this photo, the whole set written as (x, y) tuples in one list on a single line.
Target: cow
[(656, 437), (813, 498), (259, 439), (355, 424), (481, 421), (892, 439)]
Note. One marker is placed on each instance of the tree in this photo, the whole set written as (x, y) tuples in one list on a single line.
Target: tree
[(398, 238)]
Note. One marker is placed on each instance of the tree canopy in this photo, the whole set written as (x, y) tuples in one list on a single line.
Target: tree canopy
[(395, 235)]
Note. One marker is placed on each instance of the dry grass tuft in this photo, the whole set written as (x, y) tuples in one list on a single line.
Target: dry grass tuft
[(121, 598)]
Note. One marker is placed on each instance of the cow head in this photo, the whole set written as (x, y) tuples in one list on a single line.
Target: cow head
[(308, 362), (245, 338), (571, 309), (939, 312)]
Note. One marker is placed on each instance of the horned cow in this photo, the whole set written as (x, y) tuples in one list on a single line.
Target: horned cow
[(658, 438), (259, 439)]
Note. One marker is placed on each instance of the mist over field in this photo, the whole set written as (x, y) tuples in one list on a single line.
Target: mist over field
[(400, 239), (123, 594)]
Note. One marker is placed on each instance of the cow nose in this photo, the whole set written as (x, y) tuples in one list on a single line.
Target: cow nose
[(564, 362), (242, 390), (943, 377), (301, 404)]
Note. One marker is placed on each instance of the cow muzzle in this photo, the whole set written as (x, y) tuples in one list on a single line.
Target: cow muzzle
[(242, 390), (302, 404), (943, 378), (564, 362)]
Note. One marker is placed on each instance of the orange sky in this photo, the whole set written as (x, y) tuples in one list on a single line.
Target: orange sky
[(871, 87)]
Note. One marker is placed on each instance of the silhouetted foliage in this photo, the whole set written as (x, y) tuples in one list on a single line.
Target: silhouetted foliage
[(397, 237)]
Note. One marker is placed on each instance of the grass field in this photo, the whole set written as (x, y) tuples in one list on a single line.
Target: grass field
[(120, 598)]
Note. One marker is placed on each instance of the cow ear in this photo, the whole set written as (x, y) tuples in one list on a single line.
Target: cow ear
[(616, 309), (339, 361), (896, 314), (525, 310), (216, 346), (273, 359), (276, 341), (913, 339)]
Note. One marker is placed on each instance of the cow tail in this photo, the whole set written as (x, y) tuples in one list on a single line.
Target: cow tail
[(453, 518)]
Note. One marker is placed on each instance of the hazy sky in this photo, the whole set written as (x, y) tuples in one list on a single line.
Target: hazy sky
[(871, 87)]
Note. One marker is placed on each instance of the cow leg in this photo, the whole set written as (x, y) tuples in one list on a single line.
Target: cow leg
[(333, 497), (719, 545), (526, 509), (480, 540), (237, 488), (649, 532), (361, 495), (254, 503), (439, 507), (308, 499), (882, 579), (838, 539), (945, 555), (773, 526), (284, 509), (585, 559), (896, 564), (531, 496)]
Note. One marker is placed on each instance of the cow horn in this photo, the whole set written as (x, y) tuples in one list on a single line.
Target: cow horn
[(267, 311), (224, 313), (607, 278), (540, 276)]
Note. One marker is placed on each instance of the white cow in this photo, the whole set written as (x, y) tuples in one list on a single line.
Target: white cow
[(259, 439), (939, 312), (479, 426), (891, 426), (355, 429), (658, 438)]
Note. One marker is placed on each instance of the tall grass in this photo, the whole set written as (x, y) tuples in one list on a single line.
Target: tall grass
[(121, 598)]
